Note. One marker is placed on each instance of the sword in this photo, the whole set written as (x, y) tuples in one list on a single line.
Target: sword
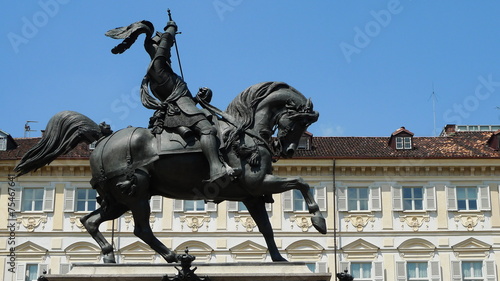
[(175, 44)]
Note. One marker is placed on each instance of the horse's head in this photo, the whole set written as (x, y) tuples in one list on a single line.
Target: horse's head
[(291, 125)]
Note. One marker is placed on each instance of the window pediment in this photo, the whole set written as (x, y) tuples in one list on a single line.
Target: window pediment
[(471, 248), (360, 249), (417, 249)]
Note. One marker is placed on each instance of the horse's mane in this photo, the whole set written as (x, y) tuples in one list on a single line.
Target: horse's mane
[(243, 107)]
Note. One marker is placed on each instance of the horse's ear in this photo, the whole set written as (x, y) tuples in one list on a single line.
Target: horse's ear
[(309, 104)]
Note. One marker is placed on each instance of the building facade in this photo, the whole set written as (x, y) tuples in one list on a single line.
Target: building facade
[(398, 207)]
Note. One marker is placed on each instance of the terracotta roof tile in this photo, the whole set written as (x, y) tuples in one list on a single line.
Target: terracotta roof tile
[(459, 145)]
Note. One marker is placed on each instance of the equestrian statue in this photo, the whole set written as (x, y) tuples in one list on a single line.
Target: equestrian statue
[(187, 152)]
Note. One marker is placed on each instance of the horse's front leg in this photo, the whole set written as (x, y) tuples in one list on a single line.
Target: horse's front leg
[(276, 184), (257, 209)]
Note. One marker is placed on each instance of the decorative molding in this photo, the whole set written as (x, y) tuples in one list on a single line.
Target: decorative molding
[(471, 248), (129, 221), (414, 221), (469, 221), (31, 222), (302, 221), (359, 221), (246, 221), (194, 222), (75, 221)]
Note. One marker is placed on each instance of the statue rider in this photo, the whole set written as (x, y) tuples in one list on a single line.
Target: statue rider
[(180, 111)]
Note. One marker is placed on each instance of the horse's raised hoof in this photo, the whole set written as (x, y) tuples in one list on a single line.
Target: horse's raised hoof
[(319, 223)]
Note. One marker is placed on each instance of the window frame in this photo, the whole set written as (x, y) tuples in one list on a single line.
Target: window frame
[(357, 199), (86, 200), (374, 199), (413, 198), (404, 143), (319, 193)]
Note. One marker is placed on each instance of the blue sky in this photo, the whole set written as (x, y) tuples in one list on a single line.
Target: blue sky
[(370, 67)]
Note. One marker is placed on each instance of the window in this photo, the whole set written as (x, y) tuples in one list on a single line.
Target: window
[(357, 199), (403, 142), (30, 272), (417, 271), (242, 207), (32, 199), (85, 199), (361, 271), (194, 205), (293, 201), (472, 271), (299, 204), (413, 198), (3, 143), (467, 198)]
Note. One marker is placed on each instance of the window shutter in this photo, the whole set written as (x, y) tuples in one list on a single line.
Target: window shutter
[(434, 271), (178, 205), (69, 199), (378, 271), (269, 207), (484, 197), (21, 272), (43, 268), (375, 198), (232, 206), (456, 271), (451, 197), (345, 265), (490, 271), (48, 199), (321, 197), (430, 198), (64, 268), (156, 203), (401, 271), (321, 267), (17, 198), (342, 198), (397, 198), (210, 207), (287, 201)]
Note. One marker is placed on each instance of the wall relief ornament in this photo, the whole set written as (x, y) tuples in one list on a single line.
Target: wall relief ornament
[(359, 221), (469, 221), (32, 222), (302, 221), (246, 221), (414, 221), (194, 222)]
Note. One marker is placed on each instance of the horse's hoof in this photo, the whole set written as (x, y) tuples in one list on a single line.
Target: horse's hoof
[(109, 260), (319, 223), (279, 259), (171, 258)]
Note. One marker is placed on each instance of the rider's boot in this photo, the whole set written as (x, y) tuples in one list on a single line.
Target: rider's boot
[(218, 170)]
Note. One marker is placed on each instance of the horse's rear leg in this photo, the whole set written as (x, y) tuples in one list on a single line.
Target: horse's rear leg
[(257, 209), (92, 221), (141, 212)]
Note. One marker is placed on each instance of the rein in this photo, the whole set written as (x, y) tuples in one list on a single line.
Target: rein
[(233, 122)]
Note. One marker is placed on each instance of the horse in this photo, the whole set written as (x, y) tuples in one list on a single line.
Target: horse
[(249, 143)]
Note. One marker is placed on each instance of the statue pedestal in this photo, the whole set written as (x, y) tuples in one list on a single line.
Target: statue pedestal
[(276, 271)]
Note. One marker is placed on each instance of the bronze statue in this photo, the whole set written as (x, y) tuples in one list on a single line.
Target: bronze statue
[(133, 164)]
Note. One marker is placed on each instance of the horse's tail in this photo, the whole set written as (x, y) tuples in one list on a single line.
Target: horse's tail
[(64, 132)]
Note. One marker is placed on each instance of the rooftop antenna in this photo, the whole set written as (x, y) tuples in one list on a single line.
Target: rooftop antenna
[(434, 100), (27, 128)]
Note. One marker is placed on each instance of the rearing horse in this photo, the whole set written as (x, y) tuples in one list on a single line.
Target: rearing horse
[(132, 154)]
